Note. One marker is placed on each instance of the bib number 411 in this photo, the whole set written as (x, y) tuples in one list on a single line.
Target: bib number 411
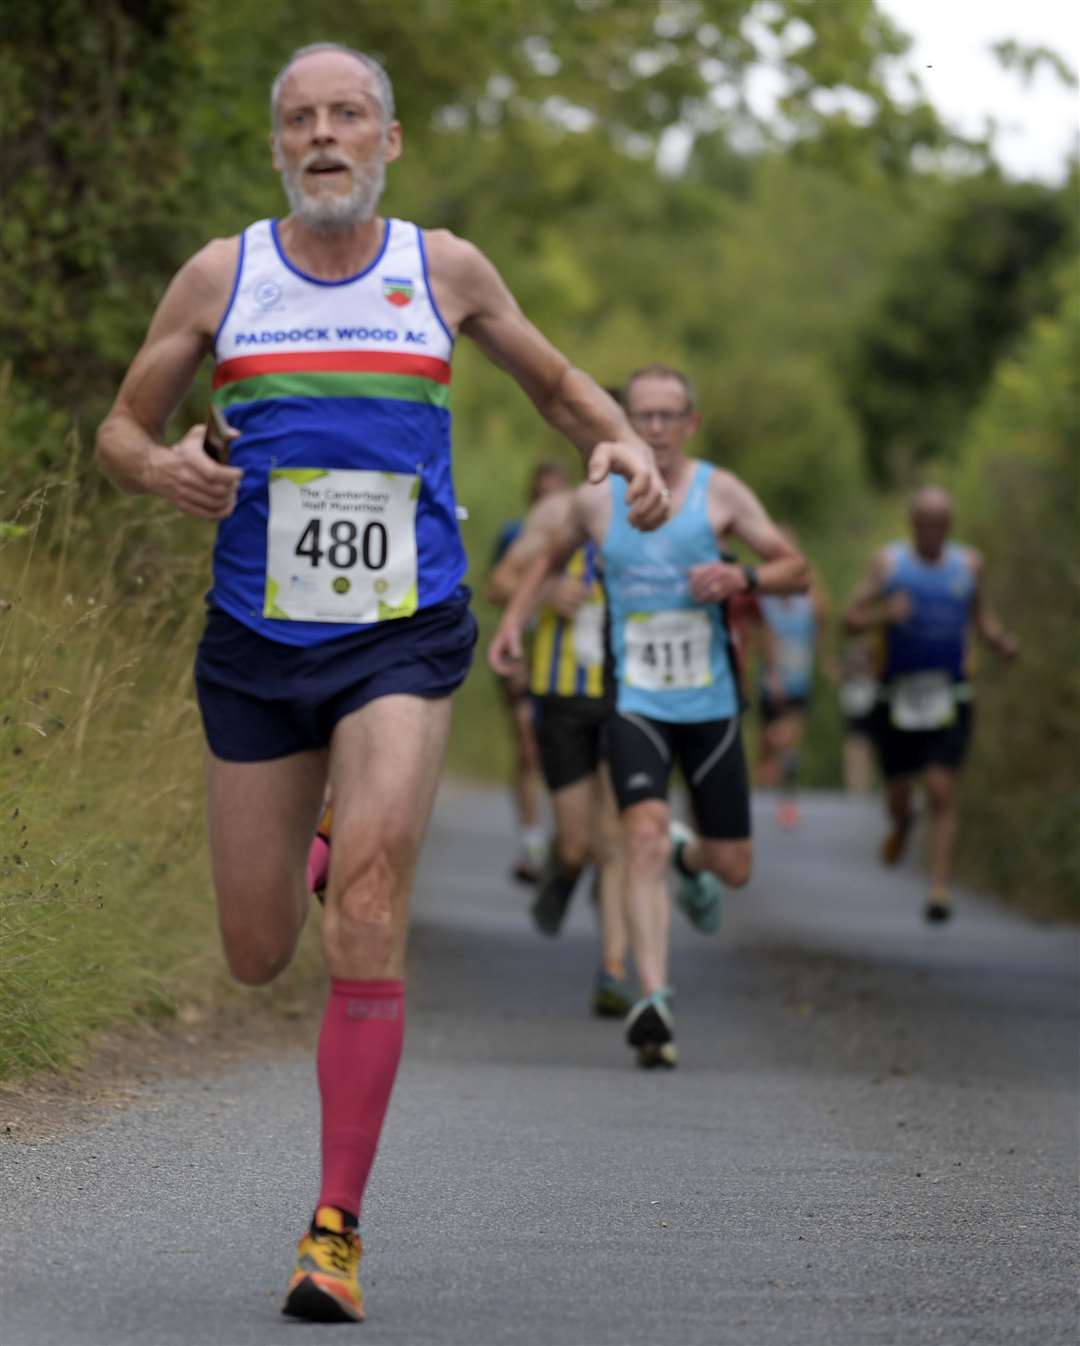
[(668, 651)]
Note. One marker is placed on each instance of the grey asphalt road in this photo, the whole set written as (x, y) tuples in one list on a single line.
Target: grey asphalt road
[(872, 1137)]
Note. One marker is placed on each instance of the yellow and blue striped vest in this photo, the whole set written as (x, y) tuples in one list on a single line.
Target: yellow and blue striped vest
[(556, 670)]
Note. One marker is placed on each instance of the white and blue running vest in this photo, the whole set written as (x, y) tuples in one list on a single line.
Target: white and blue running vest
[(321, 376), (671, 654)]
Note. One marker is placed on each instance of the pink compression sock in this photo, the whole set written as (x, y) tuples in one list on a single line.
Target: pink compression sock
[(318, 863), (359, 1050)]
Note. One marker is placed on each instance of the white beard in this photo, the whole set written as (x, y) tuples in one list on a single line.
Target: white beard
[(326, 214)]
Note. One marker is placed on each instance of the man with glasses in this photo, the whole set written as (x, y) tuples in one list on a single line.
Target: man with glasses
[(676, 695)]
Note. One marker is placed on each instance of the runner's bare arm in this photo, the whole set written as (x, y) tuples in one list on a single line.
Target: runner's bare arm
[(540, 528), (475, 299), (129, 445), (741, 513), (507, 648), (868, 608), (987, 624)]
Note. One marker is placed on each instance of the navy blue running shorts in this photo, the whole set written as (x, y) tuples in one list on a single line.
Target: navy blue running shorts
[(261, 699)]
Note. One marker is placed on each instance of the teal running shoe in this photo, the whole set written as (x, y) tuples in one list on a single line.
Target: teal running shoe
[(697, 895), (611, 997)]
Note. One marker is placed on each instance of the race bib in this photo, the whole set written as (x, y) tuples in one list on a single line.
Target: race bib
[(587, 631), (857, 697), (922, 701), (796, 663), (341, 545), (668, 651)]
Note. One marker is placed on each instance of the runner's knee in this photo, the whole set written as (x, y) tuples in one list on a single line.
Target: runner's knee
[(730, 862), (940, 799), (256, 962), (362, 920), (362, 905), (735, 872), (645, 834)]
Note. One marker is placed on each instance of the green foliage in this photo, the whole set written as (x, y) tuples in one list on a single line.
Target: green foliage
[(34, 443), (129, 133), (950, 309), (1018, 494), (92, 170), (1027, 62), (781, 425)]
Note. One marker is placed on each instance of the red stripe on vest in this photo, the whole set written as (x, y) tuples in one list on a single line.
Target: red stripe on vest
[(331, 362)]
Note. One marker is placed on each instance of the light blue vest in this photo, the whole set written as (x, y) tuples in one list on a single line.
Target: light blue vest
[(791, 620), (671, 654)]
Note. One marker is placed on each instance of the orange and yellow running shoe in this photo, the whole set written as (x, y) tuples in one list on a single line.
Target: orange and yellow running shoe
[(325, 1287)]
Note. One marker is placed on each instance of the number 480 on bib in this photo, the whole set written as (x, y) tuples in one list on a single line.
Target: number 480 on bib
[(346, 544)]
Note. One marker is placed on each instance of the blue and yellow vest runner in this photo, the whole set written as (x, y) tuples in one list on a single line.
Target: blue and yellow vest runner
[(671, 654), (569, 653), (346, 513)]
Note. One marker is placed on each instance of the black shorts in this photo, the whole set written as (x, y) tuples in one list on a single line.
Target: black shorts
[(570, 733), (771, 709), (859, 726), (261, 699), (642, 751), (906, 752)]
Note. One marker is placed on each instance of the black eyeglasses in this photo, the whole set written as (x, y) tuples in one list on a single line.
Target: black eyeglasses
[(666, 418)]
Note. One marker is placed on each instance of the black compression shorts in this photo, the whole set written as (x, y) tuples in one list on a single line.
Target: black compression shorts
[(570, 736), (642, 751)]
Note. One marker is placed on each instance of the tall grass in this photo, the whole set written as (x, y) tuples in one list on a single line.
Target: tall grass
[(106, 907)]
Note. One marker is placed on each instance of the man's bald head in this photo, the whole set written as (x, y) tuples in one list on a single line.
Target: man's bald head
[(930, 513), (931, 501), (383, 89)]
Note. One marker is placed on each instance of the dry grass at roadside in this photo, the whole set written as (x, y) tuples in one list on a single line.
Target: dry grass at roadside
[(106, 911)]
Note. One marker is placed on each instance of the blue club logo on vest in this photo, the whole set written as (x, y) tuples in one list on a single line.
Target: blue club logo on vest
[(267, 294), (397, 292)]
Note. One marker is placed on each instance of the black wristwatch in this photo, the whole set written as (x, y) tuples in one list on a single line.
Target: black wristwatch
[(751, 577)]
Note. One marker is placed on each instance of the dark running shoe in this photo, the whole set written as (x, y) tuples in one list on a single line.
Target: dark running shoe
[(938, 908), (554, 889), (650, 1030), (611, 997)]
